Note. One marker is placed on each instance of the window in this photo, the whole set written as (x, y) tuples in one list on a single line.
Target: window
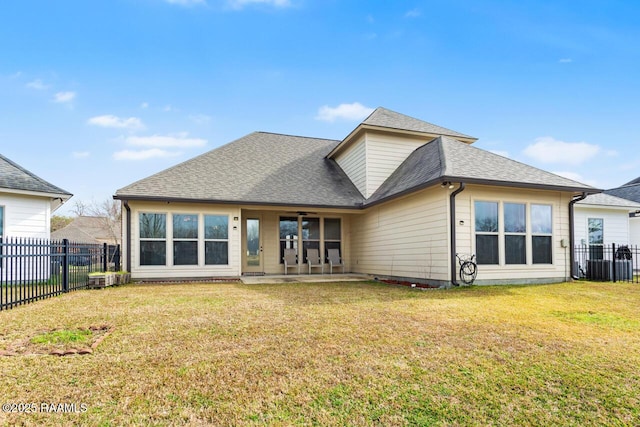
[(310, 235), (595, 228), (288, 235), (185, 239), (153, 239), (486, 232), (216, 240), (332, 234), (1, 221), (515, 233), (541, 231)]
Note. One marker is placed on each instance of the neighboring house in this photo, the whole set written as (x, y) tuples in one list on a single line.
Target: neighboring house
[(399, 197), (26, 201), (630, 191), (603, 219), (90, 229)]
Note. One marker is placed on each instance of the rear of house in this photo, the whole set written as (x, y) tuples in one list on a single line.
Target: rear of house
[(398, 197)]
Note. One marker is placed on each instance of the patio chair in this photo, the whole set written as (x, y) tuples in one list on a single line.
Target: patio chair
[(290, 259), (333, 255), (313, 259)]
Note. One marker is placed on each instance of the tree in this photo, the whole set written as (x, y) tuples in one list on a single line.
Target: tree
[(59, 221)]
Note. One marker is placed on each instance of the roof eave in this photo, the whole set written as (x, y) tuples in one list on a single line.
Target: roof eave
[(233, 202), (476, 181)]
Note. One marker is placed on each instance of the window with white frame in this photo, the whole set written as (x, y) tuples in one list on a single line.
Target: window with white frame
[(288, 234), (216, 240), (185, 239), (525, 230), (1, 221), (153, 239), (515, 233), (486, 224)]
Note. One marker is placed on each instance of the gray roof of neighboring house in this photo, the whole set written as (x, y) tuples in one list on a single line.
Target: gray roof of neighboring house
[(15, 177), (629, 191), (390, 119), (260, 168), (90, 229), (447, 159), (608, 200)]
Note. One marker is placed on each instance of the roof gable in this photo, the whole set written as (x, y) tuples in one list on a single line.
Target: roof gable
[(15, 177), (382, 117), (607, 200), (627, 191)]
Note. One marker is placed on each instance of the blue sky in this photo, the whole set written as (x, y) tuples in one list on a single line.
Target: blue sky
[(95, 95)]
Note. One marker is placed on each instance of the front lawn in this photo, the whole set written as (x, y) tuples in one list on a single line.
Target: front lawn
[(330, 354)]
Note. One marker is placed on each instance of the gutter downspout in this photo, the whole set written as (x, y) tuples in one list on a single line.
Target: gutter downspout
[(452, 233), (572, 238), (128, 218)]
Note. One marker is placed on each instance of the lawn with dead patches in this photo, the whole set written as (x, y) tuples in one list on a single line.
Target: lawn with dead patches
[(332, 354)]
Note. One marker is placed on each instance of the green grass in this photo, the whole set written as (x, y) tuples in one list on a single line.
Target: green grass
[(63, 336), (335, 354)]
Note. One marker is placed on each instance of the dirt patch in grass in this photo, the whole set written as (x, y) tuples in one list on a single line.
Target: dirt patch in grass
[(59, 342)]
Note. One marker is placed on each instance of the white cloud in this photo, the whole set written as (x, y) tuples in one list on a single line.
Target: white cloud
[(110, 121), (355, 111), (169, 108), (80, 154), (144, 154), (565, 60), (37, 84), (414, 13), (62, 97), (239, 4), (144, 105), (549, 150), (177, 140), (187, 2)]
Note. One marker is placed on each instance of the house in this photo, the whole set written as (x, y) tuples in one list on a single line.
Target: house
[(399, 197), (603, 219), (90, 229), (630, 191), (26, 201)]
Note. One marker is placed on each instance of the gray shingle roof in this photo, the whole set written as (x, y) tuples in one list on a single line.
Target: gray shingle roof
[(392, 120), (260, 168), (15, 177), (90, 229), (603, 199), (448, 159), (629, 192)]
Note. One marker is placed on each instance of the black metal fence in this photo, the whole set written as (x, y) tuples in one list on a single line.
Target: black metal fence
[(614, 263), (34, 269)]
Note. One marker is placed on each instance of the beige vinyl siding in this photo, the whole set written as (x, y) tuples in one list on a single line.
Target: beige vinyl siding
[(353, 162), (502, 273), (26, 216), (384, 155), (615, 224), (169, 271), (406, 237)]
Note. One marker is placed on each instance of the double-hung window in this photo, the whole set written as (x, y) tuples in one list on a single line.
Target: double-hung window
[(185, 239), (487, 232), (153, 239), (515, 233), (332, 234), (216, 239), (310, 235), (288, 234), (541, 234), (1, 221)]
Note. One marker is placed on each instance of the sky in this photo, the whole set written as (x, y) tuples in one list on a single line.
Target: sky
[(95, 95)]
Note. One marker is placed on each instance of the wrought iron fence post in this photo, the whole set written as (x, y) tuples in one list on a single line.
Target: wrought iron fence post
[(65, 265), (105, 256), (613, 262)]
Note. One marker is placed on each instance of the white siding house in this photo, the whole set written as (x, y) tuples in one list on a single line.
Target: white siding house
[(604, 219)]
